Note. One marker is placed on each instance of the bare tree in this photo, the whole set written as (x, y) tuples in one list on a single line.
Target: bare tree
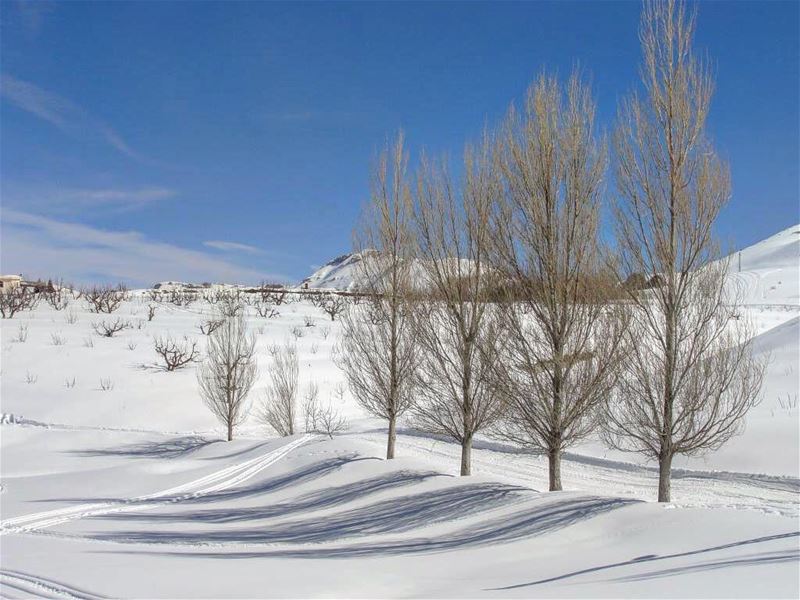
[(690, 377), (16, 299), (109, 328), (228, 373), (151, 311), (176, 354), (334, 305), (311, 407), (58, 295), (280, 404), (105, 298), (376, 350), (453, 340), (330, 421), (562, 338), (209, 326)]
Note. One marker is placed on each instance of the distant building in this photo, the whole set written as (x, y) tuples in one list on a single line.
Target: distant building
[(9, 282)]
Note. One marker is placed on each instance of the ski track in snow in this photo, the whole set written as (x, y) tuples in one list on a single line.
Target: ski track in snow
[(219, 480), (30, 586), (700, 489)]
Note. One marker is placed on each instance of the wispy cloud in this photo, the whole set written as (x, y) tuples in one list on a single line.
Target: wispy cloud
[(232, 247), (44, 247), (32, 14), (57, 200), (63, 114)]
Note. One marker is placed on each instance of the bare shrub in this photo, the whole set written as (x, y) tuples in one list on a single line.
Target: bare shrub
[(22, 333), (313, 348), (88, 343), (132, 345), (279, 408), (210, 326), (71, 317), (330, 421), (264, 309), (311, 407), (309, 322), (109, 328), (151, 311), (106, 385), (31, 378), (297, 332), (105, 298), (69, 383), (14, 300), (57, 339), (58, 295), (325, 332), (228, 373), (175, 354)]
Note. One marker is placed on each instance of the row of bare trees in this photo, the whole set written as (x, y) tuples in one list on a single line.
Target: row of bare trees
[(493, 304)]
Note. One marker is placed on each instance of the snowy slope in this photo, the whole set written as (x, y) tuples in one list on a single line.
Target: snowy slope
[(770, 269), (339, 274), (131, 492)]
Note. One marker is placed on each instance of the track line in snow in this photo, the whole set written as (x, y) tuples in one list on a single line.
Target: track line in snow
[(39, 587), (219, 480)]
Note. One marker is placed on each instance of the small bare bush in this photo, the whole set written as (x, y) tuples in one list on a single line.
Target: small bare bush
[(330, 421), (308, 322), (132, 345), (69, 383), (210, 326), (314, 348), (325, 332), (88, 343), (58, 296), (151, 311), (311, 407), (22, 333), (57, 339), (109, 328), (265, 310), (296, 332), (71, 317), (106, 385), (176, 354), (31, 378)]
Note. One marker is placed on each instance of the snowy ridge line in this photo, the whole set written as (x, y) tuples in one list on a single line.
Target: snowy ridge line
[(39, 586), (219, 480)]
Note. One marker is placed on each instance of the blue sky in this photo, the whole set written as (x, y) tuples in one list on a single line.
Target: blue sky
[(144, 141)]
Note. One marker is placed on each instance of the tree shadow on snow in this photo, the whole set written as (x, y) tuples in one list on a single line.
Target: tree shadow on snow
[(173, 448), (397, 516), (326, 498)]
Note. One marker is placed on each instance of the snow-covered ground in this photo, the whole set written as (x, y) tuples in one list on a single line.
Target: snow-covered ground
[(130, 492)]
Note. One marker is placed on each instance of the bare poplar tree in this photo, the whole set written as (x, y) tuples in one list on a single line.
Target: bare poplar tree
[(279, 410), (690, 377), (451, 333), (562, 337), (228, 373), (376, 350)]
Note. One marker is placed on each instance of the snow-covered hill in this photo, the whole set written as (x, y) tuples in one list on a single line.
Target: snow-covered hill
[(769, 272), (129, 491), (339, 274)]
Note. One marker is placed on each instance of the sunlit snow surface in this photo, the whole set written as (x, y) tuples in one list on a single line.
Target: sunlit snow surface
[(131, 492)]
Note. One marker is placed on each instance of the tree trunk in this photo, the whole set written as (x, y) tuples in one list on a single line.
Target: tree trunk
[(664, 474), (230, 431), (466, 456), (554, 467), (392, 437)]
